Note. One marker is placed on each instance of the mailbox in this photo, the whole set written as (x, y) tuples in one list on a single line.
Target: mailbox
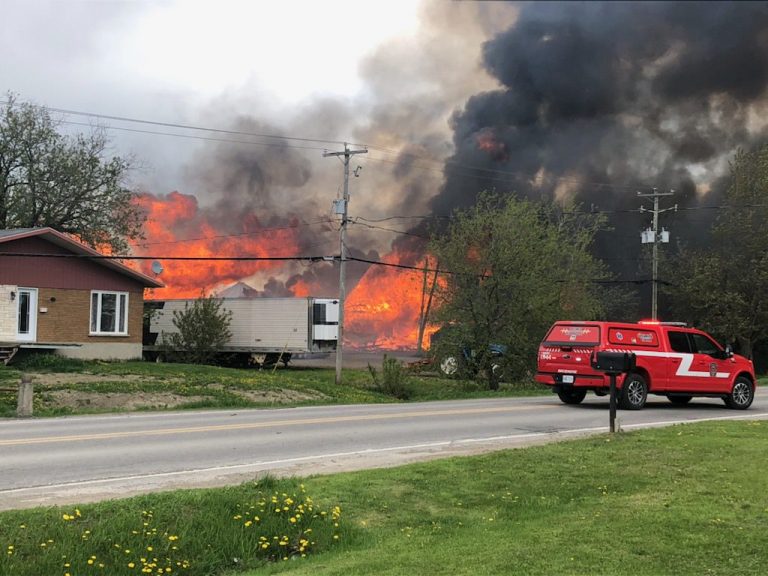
[(613, 362)]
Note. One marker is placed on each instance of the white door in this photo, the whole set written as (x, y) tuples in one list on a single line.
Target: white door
[(27, 314)]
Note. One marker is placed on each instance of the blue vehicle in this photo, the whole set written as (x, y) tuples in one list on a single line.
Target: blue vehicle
[(454, 359)]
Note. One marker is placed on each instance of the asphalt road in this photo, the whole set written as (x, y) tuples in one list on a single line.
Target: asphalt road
[(79, 459)]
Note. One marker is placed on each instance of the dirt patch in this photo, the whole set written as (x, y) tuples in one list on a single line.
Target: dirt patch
[(77, 399), (53, 389), (278, 396), (63, 378)]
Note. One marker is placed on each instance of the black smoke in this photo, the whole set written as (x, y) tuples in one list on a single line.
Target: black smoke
[(598, 101)]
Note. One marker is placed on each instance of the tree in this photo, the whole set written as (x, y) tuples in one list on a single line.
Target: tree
[(69, 183), (516, 267), (723, 289), (203, 328)]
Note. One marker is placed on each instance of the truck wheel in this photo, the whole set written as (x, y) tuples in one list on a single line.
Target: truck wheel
[(633, 393), (572, 396), (741, 395), (449, 365), (679, 400)]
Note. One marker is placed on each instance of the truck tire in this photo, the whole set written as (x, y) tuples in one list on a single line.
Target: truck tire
[(680, 400), (634, 392), (742, 394), (572, 395)]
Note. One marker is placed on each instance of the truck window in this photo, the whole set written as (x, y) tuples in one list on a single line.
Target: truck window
[(704, 345), (573, 334), (679, 342)]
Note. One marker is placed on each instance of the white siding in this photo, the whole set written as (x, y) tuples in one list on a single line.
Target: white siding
[(8, 313)]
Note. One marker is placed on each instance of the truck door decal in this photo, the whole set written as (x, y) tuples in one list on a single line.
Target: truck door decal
[(685, 364)]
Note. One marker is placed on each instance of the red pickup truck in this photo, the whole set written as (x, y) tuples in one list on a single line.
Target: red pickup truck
[(671, 360)]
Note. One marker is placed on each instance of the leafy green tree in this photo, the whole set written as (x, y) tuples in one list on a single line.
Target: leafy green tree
[(69, 183), (203, 328), (516, 267), (723, 289)]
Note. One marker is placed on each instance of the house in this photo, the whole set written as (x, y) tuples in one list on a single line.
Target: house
[(239, 290), (53, 296)]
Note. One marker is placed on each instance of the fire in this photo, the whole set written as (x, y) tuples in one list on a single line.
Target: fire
[(382, 310), (487, 142), (177, 227)]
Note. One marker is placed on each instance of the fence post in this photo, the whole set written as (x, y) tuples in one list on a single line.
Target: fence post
[(24, 406)]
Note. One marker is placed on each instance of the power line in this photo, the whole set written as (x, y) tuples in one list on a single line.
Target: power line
[(221, 236), (177, 125), (403, 232), (312, 259), (442, 163), (204, 138), (182, 258)]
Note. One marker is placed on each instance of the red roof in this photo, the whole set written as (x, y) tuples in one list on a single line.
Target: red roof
[(76, 247)]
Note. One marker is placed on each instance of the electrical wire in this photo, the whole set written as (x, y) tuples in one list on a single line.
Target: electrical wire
[(205, 138), (239, 235), (182, 126)]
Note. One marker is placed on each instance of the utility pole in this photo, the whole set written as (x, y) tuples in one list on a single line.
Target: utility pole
[(341, 207), (652, 236)]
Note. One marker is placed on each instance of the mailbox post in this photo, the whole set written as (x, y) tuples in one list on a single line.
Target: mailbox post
[(613, 364)]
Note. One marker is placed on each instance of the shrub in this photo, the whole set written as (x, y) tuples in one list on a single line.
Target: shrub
[(203, 328), (393, 380)]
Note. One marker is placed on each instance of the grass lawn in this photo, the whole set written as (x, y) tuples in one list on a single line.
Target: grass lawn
[(64, 387), (688, 499)]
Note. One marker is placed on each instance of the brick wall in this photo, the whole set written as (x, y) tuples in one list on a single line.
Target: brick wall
[(68, 319)]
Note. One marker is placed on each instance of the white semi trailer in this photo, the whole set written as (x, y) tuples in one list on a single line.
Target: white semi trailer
[(264, 330)]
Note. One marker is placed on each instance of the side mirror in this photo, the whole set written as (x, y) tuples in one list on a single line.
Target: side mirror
[(728, 351)]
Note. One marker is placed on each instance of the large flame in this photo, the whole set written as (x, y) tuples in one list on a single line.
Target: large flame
[(385, 307), (382, 310), (176, 227)]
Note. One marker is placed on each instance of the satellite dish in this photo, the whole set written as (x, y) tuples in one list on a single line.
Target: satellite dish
[(157, 268)]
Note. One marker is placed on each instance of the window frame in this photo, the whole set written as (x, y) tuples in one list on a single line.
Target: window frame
[(121, 313)]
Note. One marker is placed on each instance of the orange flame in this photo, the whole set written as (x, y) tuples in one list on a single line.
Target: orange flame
[(177, 216), (487, 142), (382, 310)]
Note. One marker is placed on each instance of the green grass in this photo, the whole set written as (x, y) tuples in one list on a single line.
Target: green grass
[(689, 499), (217, 387), (187, 532)]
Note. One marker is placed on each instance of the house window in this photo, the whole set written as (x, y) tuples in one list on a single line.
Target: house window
[(109, 313)]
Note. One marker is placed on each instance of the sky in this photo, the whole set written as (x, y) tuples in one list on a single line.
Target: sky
[(585, 103), (205, 62)]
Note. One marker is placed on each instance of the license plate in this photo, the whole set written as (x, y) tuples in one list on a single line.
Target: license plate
[(567, 378)]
